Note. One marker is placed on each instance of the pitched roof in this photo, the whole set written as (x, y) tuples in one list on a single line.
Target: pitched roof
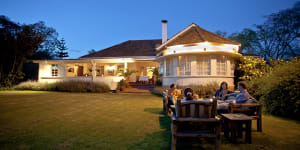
[(128, 48), (194, 34)]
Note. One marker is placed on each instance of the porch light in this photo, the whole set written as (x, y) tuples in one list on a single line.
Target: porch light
[(111, 68)]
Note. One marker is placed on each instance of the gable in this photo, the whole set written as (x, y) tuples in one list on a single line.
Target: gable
[(194, 34)]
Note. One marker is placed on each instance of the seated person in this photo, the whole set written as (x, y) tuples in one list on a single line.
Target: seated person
[(243, 96), (173, 93), (188, 93), (223, 92)]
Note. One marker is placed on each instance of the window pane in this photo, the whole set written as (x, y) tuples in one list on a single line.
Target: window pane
[(221, 65), (54, 70)]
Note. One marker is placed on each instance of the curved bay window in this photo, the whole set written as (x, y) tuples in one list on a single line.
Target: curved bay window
[(221, 65), (203, 65), (184, 65)]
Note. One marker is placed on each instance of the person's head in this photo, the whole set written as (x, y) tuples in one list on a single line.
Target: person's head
[(223, 86), (188, 93), (173, 86), (242, 86)]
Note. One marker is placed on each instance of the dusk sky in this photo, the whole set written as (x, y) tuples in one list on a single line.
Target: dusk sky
[(97, 24)]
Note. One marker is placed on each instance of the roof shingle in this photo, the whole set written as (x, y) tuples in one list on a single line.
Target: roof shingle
[(128, 48)]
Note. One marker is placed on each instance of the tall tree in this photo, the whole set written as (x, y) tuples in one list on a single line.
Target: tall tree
[(17, 43), (279, 35), (62, 49), (248, 40)]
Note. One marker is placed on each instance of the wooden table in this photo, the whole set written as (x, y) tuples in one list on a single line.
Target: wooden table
[(233, 123)]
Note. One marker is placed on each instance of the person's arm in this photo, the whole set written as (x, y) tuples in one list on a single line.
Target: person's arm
[(241, 98), (217, 95)]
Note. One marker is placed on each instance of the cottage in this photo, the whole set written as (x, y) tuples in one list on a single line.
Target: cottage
[(193, 56)]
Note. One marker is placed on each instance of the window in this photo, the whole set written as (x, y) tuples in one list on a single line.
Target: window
[(120, 70), (150, 71), (203, 65), (54, 70), (161, 67), (221, 65), (184, 65), (111, 70), (232, 66), (100, 70), (169, 66)]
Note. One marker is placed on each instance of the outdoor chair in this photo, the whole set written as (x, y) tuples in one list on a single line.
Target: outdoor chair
[(253, 110), (195, 119)]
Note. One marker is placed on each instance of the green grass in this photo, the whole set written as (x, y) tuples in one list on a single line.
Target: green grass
[(57, 120)]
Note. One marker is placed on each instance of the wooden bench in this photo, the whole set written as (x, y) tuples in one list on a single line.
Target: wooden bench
[(253, 110), (195, 119)]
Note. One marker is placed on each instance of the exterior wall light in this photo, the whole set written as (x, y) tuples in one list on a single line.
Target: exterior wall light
[(204, 49)]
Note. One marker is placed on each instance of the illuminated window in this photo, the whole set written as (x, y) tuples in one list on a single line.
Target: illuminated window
[(161, 67), (111, 70), (120, 70), (54, 70), (100, 70), (184, 65), (169, 66), (150, 71), (232, 66), (221, 65), (203, 65)]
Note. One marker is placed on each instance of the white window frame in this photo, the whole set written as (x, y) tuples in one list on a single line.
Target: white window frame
[(221, 65), (54, 70), (203, 65)]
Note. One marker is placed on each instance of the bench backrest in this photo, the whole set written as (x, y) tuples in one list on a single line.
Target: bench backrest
[(196, 109)]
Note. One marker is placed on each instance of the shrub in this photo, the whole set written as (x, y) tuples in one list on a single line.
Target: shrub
[(158, 90), (279, 89), (122, 84), (203, 91), (35, 86), (65, 86)]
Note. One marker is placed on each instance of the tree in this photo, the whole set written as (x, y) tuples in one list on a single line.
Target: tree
[(91, 51), (279, 35), (248, 40), (221, 33), (62, 49), (46, 50), (17, 44)]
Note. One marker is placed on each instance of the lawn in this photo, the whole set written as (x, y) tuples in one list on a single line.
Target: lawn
[(56, 120)]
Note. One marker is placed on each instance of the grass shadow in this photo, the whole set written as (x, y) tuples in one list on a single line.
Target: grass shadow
[(157, 140)]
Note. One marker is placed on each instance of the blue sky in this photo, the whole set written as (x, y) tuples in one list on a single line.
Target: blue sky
[(97, 24)]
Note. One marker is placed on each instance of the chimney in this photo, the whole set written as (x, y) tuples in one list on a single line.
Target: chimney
[(164, 31)]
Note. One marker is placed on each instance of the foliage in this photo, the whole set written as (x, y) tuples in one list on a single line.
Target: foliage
[(157, 76), (64, 86), (17, 44), (250, 68), (278, 37), (91, 51), (62, 49), (158, 90), (248, 40), (203, 91), (122, 84), (279, 88)]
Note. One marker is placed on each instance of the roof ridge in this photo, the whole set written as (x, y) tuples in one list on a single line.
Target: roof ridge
[(217, 35)]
